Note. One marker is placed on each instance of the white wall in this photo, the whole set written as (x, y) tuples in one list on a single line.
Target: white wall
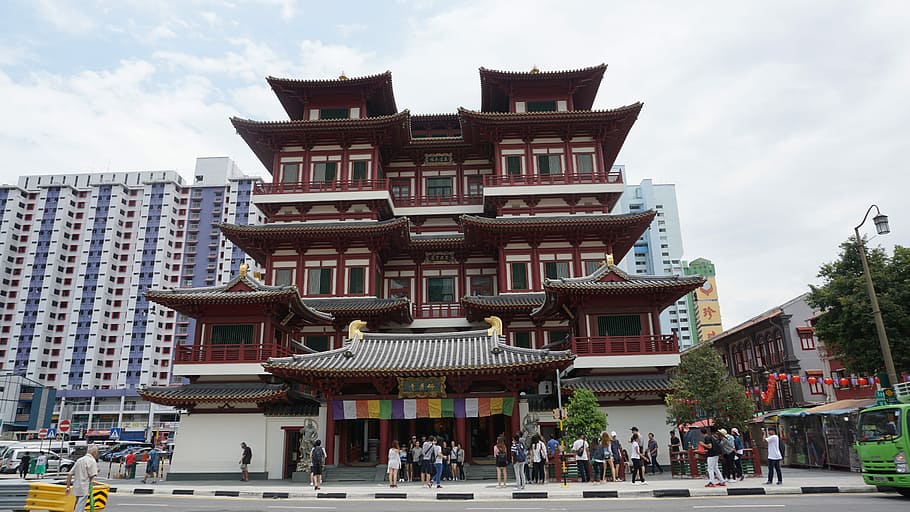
[(648, 418), (210, 443)]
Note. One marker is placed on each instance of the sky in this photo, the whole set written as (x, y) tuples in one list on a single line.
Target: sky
[(779, 122)]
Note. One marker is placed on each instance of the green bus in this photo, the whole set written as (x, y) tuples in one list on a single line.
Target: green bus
[(883, 445)]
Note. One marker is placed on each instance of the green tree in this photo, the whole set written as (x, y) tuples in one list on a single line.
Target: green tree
[(703, 389), (846, 326), (584, 417)]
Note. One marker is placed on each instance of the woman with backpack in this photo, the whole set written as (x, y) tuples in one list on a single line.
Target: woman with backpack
[(538, 459), (501, 454), (317, 461)]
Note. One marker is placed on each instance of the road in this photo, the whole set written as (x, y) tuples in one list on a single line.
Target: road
[(789, 503)]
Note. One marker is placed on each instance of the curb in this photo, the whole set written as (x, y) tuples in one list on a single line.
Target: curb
[(516, 495)]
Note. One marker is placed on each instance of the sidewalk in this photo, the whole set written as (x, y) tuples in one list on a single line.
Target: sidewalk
[(796, 481)]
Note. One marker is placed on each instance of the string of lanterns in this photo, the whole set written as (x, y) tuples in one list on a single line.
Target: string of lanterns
[(768, 395)]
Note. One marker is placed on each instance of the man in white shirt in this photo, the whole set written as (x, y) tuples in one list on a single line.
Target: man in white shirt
[(774, 455), (580, 450), (79, 479)]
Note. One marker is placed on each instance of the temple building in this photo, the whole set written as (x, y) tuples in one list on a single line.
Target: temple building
[(423, 274)]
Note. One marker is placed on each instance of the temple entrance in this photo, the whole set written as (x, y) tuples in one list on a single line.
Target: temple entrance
[(482, 433)]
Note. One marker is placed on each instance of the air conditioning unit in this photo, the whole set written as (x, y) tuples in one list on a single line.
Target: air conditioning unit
[(545, 388), (901, 391)]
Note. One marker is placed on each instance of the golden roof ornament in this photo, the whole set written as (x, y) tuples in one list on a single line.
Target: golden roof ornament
[(495, 325), (342, 76), (534, 70), (608, 259), (354, 327), (243, 269)]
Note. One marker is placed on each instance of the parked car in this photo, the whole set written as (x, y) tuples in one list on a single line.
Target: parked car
[(55, 463)]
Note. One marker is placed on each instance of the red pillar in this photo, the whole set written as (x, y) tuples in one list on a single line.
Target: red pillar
[(460, 431), (384, 442), (516, 420), (329, 435)]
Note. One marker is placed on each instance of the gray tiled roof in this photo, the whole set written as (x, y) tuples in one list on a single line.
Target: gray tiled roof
[(606, 385), (190, 394), (626, 283), (357, 304), (505, 300), (410, 354)]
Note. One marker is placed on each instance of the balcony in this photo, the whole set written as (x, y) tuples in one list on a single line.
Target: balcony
[(626, 345), (240, 353), (554, 179), (449, 200), (438, 310), (304, 187), (521, 185)]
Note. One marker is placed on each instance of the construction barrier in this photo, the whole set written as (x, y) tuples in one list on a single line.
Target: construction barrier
[(19, 495)]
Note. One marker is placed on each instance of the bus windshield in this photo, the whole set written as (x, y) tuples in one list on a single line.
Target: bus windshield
[(880, 425)]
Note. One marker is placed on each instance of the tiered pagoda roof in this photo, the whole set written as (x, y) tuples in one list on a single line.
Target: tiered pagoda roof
[(479, 307), (242, 290), (495, 86), (620, 385), (215, 394), (295, 95), (373, 310), (609, 280), (373, 354)]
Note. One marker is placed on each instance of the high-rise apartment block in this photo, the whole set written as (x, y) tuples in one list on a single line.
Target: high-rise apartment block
[(80, 251)]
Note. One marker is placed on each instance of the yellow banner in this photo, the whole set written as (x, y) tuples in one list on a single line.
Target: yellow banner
[(496, 405), (373, 407), (435, 406)]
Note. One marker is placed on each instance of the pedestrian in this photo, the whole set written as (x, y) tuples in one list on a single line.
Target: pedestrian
[(416, 458), (652, 455), (438, 461), (446, 461), (427, 452), (454, 453), (539, 460), (24, 461), (581, 449), (675, 442), (638, 458), (738, 458), (317, 460), (712, 450), (606, 442), (774, 455), (501, 455), (394, 464), (519, 461), (79, 479), (41, 465), (246, 456), (619, 462), (728, 453), (129, 469), (597, 461), (552, 450), (151, 467)]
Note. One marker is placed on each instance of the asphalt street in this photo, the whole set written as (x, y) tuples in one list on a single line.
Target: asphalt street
[(829, 503)]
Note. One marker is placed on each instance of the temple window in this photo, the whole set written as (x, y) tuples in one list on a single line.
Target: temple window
[(359, 170), (481, 285), (334, 113), (475, 187), (619, 325), (548, 165), (439, 187), (284, 277), (440, 289), (356, 280), (557, 336), (513, 165), (231, 334), (556, 269), (401, 189), (521, 339), (591, 266), (318, 342), (319, 281), (541, 106), (290, 173), (400, 287), (324, 171), (519, 273), (584, 163)]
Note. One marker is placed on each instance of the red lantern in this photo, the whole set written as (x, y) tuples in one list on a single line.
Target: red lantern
[(844, 382), (813, 380), (877, 380), (796, 378), (862, 381), (829, 381), (748, 394), (782, 376)]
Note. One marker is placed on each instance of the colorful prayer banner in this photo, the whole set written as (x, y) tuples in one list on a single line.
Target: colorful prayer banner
[(422, 408)]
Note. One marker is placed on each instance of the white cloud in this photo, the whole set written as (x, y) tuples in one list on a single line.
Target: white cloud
[(65, 16), (348, 29)]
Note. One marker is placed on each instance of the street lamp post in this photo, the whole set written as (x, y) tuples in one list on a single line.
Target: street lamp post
[(881, 226)]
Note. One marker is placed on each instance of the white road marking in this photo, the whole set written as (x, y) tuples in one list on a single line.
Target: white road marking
[(304, 508), (738, 506)]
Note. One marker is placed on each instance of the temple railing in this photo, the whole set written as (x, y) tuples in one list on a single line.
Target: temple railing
[(553, 179), (438, 310), (239, 353), (450, 200), (625, 345), (302, 187)]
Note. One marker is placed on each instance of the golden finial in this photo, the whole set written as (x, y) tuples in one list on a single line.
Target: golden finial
[(495, 325), (534, 70), (243, 269), (354, 329), (608, 259), (342, 76)]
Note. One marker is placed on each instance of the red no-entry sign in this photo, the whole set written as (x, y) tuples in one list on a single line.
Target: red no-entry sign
[(42, 433), (64, 426)]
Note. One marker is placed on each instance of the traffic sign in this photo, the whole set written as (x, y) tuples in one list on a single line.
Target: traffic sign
[(64, 426), (42, 434), (52, 433), (115, 433)]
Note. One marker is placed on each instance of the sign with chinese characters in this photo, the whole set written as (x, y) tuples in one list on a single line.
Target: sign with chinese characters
[(439, 257), (437, 158), (421, 387)]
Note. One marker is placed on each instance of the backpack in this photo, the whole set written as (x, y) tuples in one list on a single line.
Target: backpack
[(726, 446), (318, 456), (521, 453)]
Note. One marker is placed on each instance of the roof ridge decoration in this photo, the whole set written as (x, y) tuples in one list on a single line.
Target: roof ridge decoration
[(521, 74), (332, 81)]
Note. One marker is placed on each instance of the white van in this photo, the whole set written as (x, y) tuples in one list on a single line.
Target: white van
[(55, 463)]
